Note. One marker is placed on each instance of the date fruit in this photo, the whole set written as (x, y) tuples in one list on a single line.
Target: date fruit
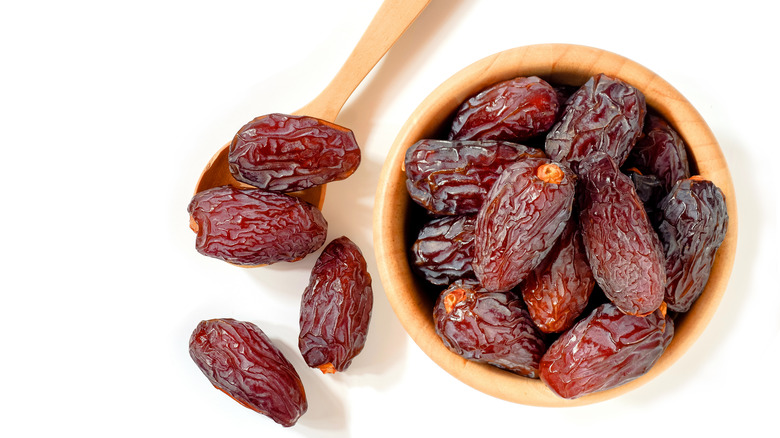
[(623, 249), (336, 308), (604, 350), (453, 177), (557, 291), (660, 152), (241, 361), (489, 327), (284, 153), (514, 110), (444, 249), (523, 215), (255, 227), (692, 229), (605, 114)]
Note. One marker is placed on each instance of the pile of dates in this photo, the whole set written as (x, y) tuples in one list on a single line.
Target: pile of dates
[(278, 155), (562, 229)]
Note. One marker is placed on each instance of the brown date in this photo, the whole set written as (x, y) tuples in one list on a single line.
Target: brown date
[(241, 361), (605, 114), (512, 110), (453, 177), (692, 229), (284, 153), (444, 249), (489, 327), (336, 308), (557, 291), (622, 247), (604, 350), (255, 227), (661, 152), (523, 215)]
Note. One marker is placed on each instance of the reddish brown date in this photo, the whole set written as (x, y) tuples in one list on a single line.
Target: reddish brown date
[(660, 152), (605, 114), (444, 249), (513, 110), (557, 291), (255, 227), (523, 215), (336, 308), (623, 249), (285, 153), (604, 350), (692, 229), (489, 327), (453, 177), (240, 360)]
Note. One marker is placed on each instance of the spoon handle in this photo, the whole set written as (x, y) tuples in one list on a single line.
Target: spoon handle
[(389, 23)]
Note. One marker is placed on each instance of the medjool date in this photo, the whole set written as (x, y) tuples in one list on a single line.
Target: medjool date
[(255, 227), (693, 227), (336, 308), (606, 349), (605, 114), (453, 177), (240, 360), (623, 249), (660, 152), (557, 291), (444, 249), (523, 215), (513, 110), (285, 153), (488, 327)]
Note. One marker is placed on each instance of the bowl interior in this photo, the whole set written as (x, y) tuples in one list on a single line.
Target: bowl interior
[(396, 224)]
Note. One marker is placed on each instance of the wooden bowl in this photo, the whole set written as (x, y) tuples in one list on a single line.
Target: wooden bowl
[(395, 230)]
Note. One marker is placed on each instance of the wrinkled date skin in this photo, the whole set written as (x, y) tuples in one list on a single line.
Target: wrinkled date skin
[(336, 308), (605, 114), (240, 360), (623, 249), (557, 291), (489, 327), (444, 249), (284, 153), (453, 177), (513, 110), (692, 229), (604, 350), (660, 152), (255, 227), (525, 212)]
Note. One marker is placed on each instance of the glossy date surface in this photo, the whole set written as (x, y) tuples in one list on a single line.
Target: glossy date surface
[(241, 361), (444, 249)]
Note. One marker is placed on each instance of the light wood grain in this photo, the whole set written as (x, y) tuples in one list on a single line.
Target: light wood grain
[(573, 65)]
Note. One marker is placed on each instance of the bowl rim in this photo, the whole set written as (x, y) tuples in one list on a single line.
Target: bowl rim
[(560, 63)]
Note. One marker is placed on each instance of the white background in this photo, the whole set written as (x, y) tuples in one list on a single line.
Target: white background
[(110, 110)]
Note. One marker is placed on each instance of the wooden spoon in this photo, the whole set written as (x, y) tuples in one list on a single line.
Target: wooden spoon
[(389, 23)]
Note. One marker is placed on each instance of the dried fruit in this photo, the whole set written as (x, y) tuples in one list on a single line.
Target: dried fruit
[(453, 177), (623, 249), (444, 249), (661, 152), (512, 110), (650, 191), (255, 227), (336, 308), (285, 153), (557, 291), (693, 227), (523, 215), (488, 327), (605, 114), (606, 349), (240, 360)]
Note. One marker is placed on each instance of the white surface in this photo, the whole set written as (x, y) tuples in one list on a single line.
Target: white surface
[(109, 111)]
